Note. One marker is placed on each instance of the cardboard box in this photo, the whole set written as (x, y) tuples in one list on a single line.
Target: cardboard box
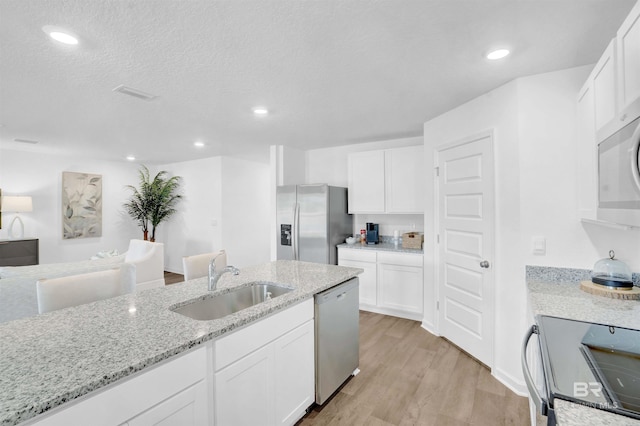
[(412, 240)]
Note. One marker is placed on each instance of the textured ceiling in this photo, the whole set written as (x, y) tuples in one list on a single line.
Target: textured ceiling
[(331, 72)]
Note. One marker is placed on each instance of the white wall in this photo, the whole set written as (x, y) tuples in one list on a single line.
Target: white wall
[(534, 124), (225, 206), (245, 212), (40, 176), (196, 227), (547, 105), (329, 165), (495, 111)]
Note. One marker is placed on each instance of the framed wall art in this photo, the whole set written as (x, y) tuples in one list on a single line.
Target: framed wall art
[(81, 205)]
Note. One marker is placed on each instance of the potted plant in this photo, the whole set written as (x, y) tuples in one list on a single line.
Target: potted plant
[(154, 201)]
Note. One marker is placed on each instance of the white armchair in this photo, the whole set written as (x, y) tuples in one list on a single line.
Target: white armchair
[(198, 265), (73, 290), (149, 260)]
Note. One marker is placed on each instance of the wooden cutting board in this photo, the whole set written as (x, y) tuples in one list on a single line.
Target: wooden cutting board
[(600, 290)]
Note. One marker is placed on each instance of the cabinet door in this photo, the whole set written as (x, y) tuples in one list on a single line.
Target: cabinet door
[(586, 155), (628, 57), (244, 391), (404, 180), (295, 374), (187, 408), (368, 290), (366, 182), (604, 92), (400, 288)]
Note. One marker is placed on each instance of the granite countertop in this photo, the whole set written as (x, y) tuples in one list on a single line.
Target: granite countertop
[(384, 246), (556, 292), (55, 357)]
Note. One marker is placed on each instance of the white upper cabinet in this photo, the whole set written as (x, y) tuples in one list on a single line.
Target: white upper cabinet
[(615, 80), (628, 64), (404, 180), (604, 89), (366, 182), (387, 181)]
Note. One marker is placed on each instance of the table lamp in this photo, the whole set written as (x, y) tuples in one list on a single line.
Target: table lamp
[(17, 204)]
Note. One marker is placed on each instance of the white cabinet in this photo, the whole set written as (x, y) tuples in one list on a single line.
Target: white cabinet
[(387, 181), (172, 393), (185, 408), (604, 90), (366, 182), (264, 373), (400, 282), (243, 390), (586, 155), (615, 80), (392, 283), (365, 259), (628, 64), (404, 180)]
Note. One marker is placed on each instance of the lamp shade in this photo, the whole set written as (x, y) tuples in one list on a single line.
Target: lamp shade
[(16, 203)]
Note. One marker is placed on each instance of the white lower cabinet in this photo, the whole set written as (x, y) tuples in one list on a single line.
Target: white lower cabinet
[(364, 259), (264, 373), (171, 394), (392, 283), (400, 282)]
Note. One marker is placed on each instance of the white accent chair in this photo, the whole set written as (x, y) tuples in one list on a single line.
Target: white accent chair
[(149, 260), (73, 290), (198, 265)]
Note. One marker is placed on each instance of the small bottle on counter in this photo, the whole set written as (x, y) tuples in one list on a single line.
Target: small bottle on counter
[(396, 238), (363, 237)]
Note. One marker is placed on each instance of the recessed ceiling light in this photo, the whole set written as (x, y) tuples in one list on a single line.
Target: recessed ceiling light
[(60, 35), (131, 158), (260, 111), (198, 144), (497, 54)]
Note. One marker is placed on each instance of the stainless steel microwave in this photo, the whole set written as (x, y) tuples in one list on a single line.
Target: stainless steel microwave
[(619, 176)]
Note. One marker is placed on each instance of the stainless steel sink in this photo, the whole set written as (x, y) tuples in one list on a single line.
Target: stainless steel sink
[(221, 305)]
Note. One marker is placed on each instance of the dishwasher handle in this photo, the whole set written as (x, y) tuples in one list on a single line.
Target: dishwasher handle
[(541, 404)]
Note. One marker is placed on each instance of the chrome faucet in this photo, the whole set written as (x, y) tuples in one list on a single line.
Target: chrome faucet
[(214, 276)]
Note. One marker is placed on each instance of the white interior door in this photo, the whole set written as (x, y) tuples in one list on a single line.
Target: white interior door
[(465, 218)]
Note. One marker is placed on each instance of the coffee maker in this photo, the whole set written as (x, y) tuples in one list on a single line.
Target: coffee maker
[(372, 233)]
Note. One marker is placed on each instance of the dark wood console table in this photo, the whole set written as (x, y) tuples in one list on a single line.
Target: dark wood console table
[(19, 252)]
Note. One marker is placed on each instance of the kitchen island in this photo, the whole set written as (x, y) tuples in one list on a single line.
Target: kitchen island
[(556, 292), (51, 359)]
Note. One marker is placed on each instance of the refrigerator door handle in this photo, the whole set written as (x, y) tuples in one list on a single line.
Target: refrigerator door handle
[(294, 232)]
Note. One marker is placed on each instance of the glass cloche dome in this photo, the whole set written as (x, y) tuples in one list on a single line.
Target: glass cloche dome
[(612, 272)]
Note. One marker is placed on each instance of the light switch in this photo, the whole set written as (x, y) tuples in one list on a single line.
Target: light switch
[(539, 245)]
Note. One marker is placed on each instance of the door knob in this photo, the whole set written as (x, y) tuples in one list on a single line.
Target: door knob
[(484, 264)]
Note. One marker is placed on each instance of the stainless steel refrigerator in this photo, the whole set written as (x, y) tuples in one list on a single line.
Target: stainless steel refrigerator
[(311, 221)]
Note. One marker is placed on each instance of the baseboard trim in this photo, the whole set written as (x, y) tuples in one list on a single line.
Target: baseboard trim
[(517, 386)]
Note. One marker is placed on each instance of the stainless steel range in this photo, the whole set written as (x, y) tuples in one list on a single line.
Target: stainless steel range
[(590, 364)]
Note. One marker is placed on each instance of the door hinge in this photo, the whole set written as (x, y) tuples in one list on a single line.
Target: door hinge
[(438, 238), (437, 169), (438, 305)]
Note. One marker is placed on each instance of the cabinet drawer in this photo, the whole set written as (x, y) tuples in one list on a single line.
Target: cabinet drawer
[(356, 254), (402, 259), (236, 345)]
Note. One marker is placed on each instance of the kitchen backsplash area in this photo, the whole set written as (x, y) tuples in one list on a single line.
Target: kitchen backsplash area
[(388, 223)]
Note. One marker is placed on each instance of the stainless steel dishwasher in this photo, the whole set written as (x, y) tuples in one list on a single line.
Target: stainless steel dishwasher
[(337, 337)]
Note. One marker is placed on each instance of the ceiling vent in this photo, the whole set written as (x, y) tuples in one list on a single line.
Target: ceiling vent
[(134, 92), (26, 141)]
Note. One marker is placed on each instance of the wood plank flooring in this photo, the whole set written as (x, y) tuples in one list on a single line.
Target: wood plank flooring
[(171, 278), (411, 377)]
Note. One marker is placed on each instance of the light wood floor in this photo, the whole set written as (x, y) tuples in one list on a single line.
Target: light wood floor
[(411, 377), (171, 278)]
